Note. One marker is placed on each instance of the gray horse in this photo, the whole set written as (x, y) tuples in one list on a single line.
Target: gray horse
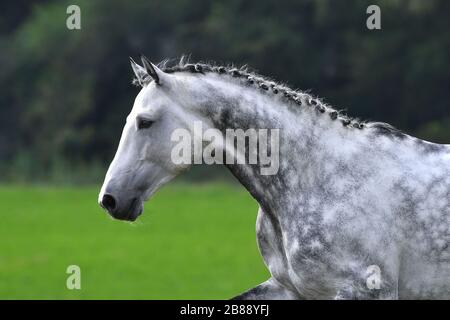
[(356, 210)]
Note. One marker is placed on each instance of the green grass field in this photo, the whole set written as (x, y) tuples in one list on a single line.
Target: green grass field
[(192, 242)]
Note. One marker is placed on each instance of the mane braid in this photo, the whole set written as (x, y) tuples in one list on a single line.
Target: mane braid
[(297, 97)]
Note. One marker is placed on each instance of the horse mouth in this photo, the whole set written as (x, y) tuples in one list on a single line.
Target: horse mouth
[(134, 211)]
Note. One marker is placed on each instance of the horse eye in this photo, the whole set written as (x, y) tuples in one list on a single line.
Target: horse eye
[(144, 123)]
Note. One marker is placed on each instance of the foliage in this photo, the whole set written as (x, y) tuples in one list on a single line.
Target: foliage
[(65, 94)]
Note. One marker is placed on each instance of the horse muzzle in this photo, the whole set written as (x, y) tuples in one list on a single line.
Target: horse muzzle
[(127, 210)]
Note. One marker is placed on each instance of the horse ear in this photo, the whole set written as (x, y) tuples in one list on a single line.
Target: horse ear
[(152, 70), (139, 72)]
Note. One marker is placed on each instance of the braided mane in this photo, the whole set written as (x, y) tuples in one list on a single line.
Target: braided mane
[(297, 97)]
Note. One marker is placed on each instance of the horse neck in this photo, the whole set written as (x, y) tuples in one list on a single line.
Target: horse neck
[(305, 135)]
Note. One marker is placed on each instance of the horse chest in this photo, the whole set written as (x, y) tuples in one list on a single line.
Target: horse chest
[(271, 246), (286, 259)]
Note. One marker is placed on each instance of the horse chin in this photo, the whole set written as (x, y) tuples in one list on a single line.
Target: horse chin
[(156, 186), (137, 204), (134, 211)]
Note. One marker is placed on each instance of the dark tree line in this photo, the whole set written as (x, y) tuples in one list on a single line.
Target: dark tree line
[(65, 93)]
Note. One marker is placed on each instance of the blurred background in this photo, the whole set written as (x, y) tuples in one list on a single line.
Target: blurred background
[(65, 95)]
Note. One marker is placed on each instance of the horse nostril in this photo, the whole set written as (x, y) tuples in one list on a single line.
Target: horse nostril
[(108, 202)]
